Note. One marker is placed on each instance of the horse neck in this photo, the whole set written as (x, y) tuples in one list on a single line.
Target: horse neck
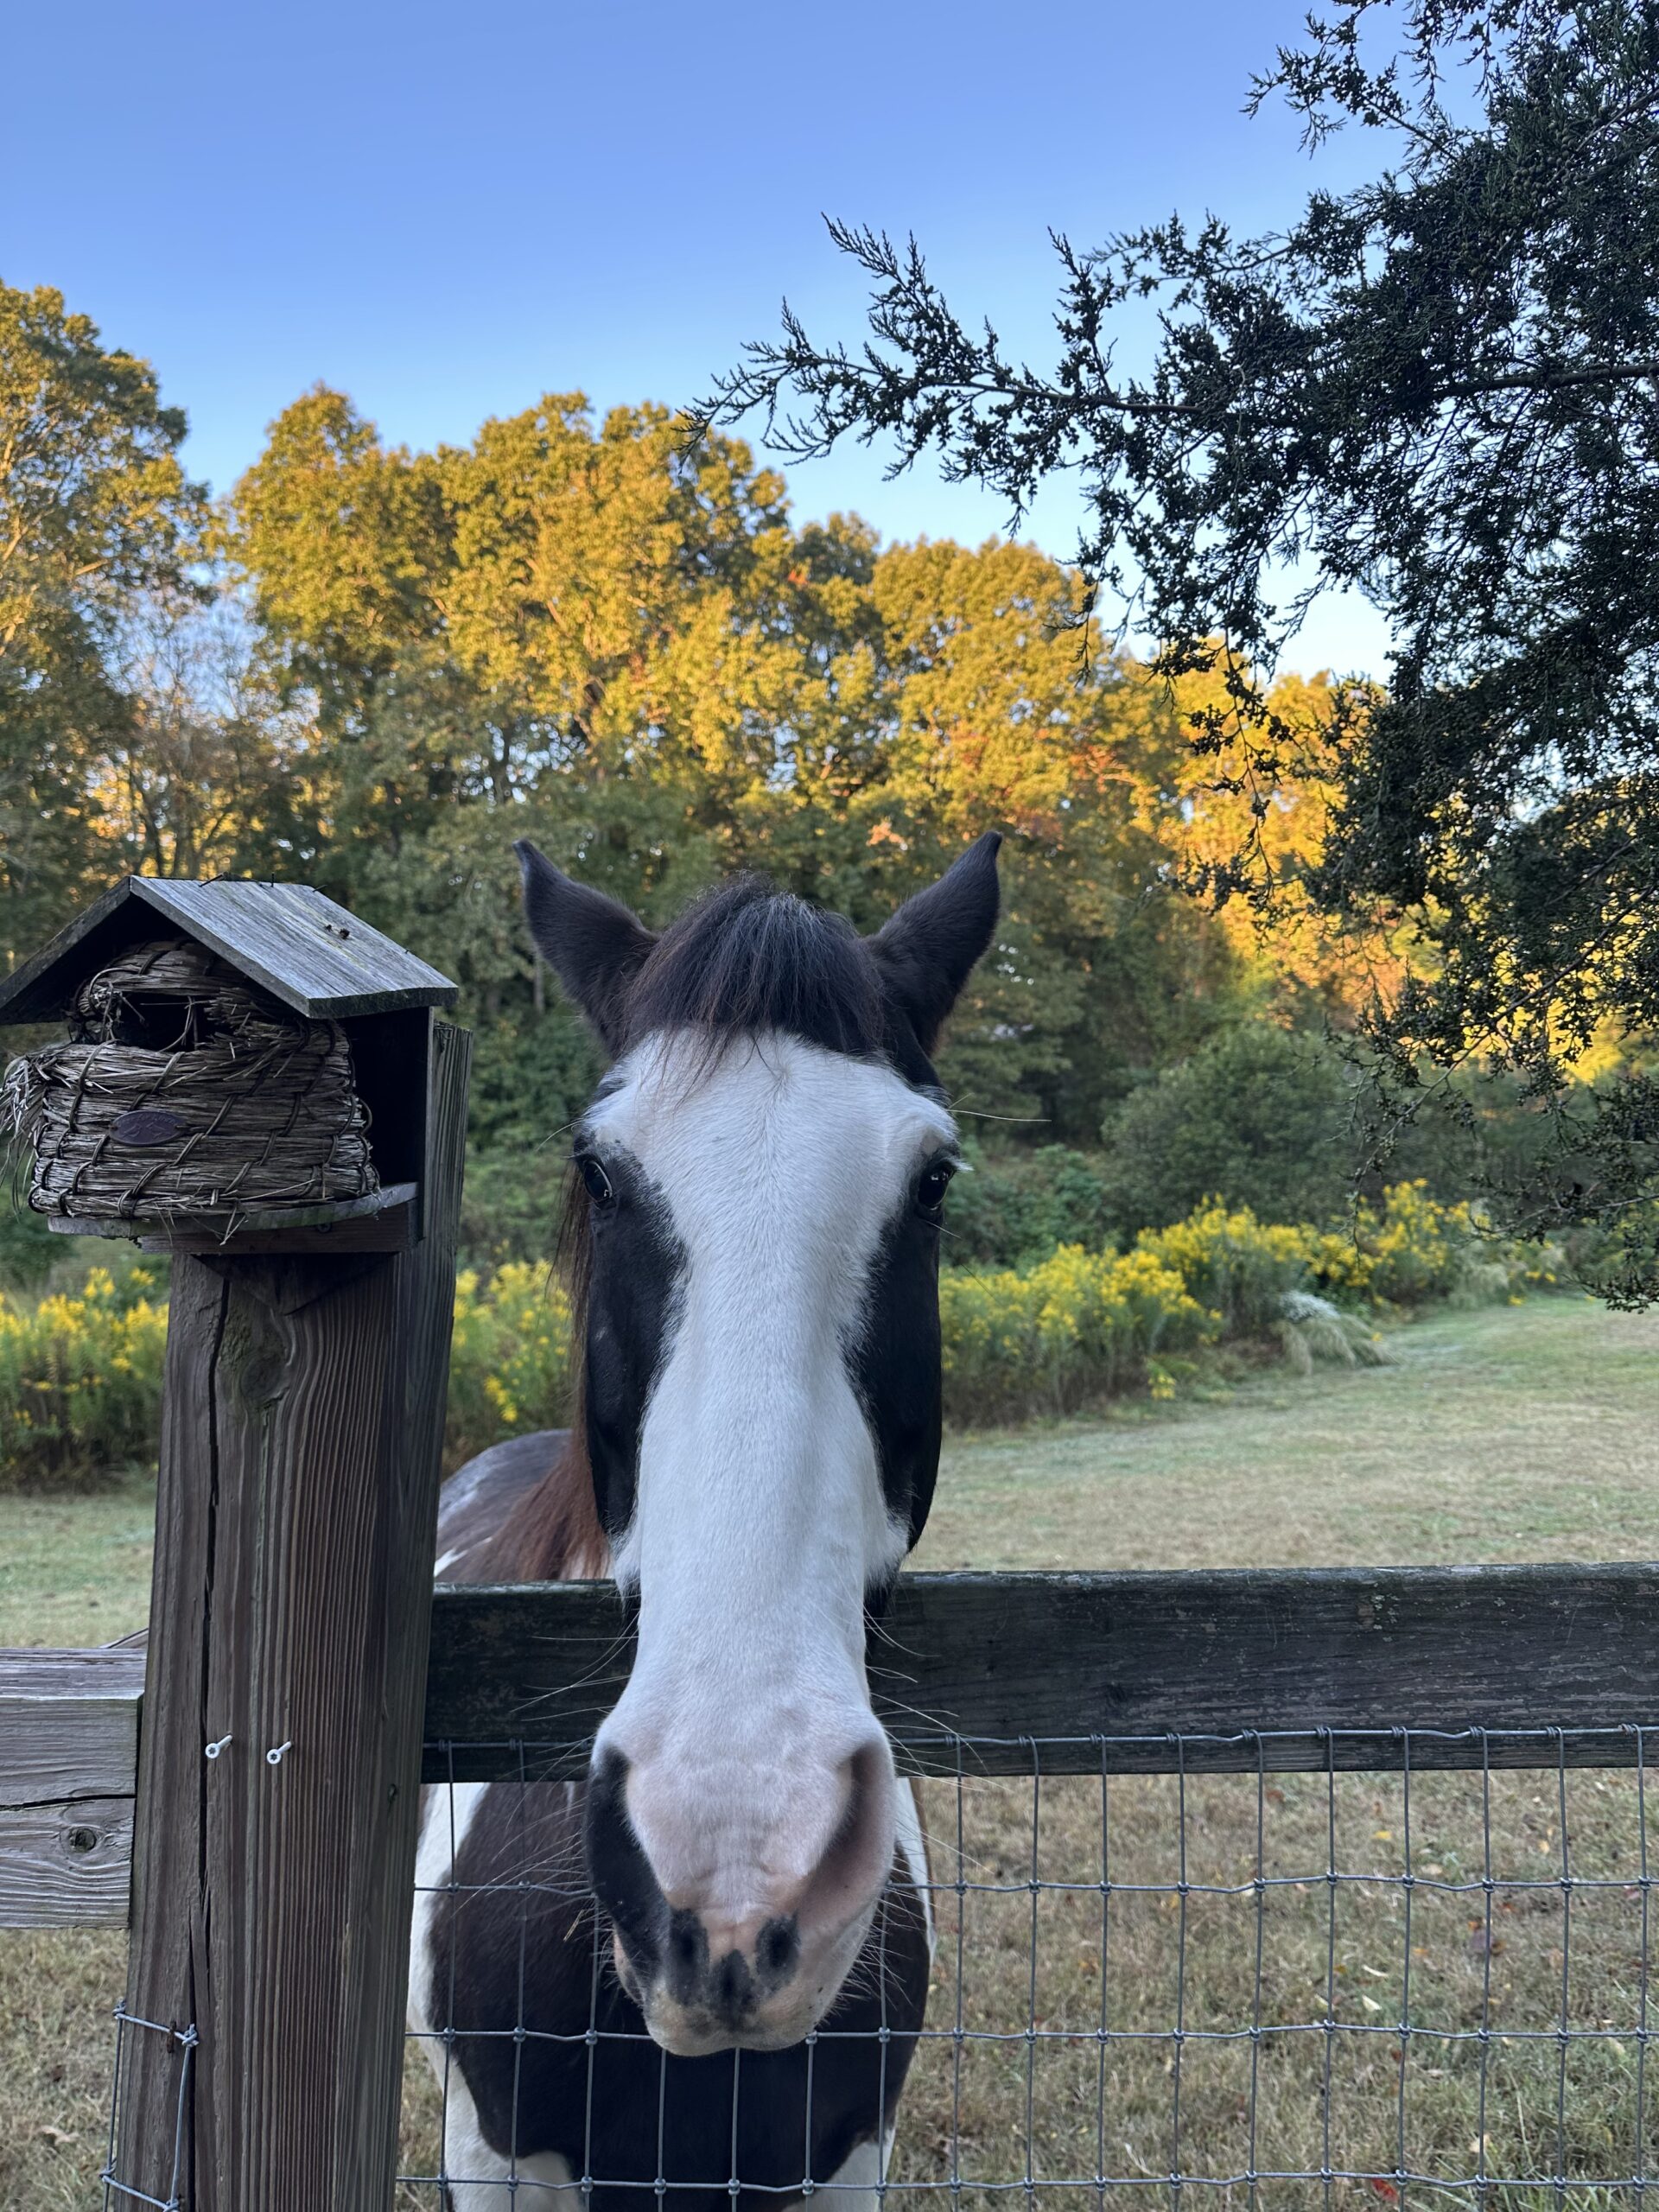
[(552, 1532)]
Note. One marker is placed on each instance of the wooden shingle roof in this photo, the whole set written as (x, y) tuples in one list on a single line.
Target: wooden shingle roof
[(310, 953)]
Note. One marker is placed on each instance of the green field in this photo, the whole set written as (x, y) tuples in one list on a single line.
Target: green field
[(1507, 1434)]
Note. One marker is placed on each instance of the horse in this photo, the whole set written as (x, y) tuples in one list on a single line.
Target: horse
[(755, 1211)]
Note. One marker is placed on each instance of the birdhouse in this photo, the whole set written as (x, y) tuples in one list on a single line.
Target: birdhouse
[(247, 1068)]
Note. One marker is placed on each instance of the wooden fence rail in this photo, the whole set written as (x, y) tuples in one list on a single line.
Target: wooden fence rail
[(1512, 1666), (68, 1763)]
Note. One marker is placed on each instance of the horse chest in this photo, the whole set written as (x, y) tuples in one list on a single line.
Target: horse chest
[(554, 2057)]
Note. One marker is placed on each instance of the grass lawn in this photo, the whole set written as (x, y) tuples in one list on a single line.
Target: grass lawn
[(1511, 1433), (1529, 1433), (76, 1570)]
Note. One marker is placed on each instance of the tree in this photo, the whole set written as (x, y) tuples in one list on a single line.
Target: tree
[(95, 511), (1441, 388), (1256, 1117), (567, 629), (204, 773)]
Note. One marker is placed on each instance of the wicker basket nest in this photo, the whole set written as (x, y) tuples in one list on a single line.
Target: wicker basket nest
[(186, 1089)]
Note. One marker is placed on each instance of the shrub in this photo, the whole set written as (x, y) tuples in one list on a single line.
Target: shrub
[(1016, 1208), (1238, 1269), (1256, 1117), (509, 1360), (28, 1247), (80, 1371), (1407, 1252), (510, 1205), (1412, 1249), (80, 1381), (1044, 1339)]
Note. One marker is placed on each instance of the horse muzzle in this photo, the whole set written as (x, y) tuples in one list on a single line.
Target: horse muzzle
[(742, 1953)]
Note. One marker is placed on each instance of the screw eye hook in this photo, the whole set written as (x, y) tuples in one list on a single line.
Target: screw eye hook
[(212, 1751), (274, 1757)]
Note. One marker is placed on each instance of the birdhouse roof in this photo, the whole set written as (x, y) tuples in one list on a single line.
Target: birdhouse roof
[(313, 955)]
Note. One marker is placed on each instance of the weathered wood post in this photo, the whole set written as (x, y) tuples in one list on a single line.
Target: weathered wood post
[(306, 1363)]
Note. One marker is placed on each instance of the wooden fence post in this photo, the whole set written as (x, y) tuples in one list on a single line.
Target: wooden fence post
[(300, 1462)]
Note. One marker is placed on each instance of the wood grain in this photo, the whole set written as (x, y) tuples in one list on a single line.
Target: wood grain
[(312, 954), (302, 1432), (68, 1759), (66, 1865), (68, 1725), (1301, 1657)]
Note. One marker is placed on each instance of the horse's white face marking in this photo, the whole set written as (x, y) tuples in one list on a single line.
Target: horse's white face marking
[(754, 1760)]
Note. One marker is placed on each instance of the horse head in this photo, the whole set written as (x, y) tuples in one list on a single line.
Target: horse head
[(763, 1172)]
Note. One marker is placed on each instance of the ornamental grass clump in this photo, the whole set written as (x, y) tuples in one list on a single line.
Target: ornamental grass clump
[(80, 1382)]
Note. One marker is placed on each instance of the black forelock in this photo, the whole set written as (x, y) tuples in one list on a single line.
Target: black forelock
[(748, 957)]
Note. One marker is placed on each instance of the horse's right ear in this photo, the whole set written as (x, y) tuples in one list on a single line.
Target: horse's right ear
[(594, 946)]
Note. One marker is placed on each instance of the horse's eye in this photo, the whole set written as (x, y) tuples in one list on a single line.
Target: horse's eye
[(598, 1182), (936, 1180)]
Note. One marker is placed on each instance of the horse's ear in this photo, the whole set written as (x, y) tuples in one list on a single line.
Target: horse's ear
[(593, 945), (928, 949)]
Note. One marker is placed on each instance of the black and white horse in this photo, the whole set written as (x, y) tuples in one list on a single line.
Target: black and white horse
[(763, 1172)]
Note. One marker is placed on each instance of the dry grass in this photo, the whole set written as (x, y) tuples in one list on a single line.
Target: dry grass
[(1524, 1434), (1217, 2103)]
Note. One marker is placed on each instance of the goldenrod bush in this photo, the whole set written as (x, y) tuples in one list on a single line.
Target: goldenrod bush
[(1414, 1250), (80, 1373), (80, 1381), (1082, 1326), (510, 1358), (1077, 1326), (1237, 1268)]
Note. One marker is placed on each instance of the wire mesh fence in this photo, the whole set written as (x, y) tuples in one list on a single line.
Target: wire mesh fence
[(181, 2044), (1361, 1967)]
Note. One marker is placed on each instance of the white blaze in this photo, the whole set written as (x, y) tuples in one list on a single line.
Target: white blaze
[(760, 1520)]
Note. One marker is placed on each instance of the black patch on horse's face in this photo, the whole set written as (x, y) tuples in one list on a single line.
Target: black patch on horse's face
[(894, 1364), (638, 1264), (622, 1878)]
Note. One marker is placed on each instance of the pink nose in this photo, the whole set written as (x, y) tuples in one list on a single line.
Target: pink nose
[(734, 1948)]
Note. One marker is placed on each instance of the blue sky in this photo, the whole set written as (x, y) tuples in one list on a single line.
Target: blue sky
[(448, 211)]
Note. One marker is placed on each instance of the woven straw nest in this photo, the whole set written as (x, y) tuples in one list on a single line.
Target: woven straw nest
[(186, 1089)]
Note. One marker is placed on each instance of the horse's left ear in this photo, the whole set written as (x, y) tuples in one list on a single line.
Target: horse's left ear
[(928, 949)]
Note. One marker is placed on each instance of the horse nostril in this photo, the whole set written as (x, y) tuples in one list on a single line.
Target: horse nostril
[(688, 1953), (777, 1948)]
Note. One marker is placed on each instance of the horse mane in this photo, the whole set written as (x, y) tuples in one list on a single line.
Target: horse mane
[(748, 957)]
